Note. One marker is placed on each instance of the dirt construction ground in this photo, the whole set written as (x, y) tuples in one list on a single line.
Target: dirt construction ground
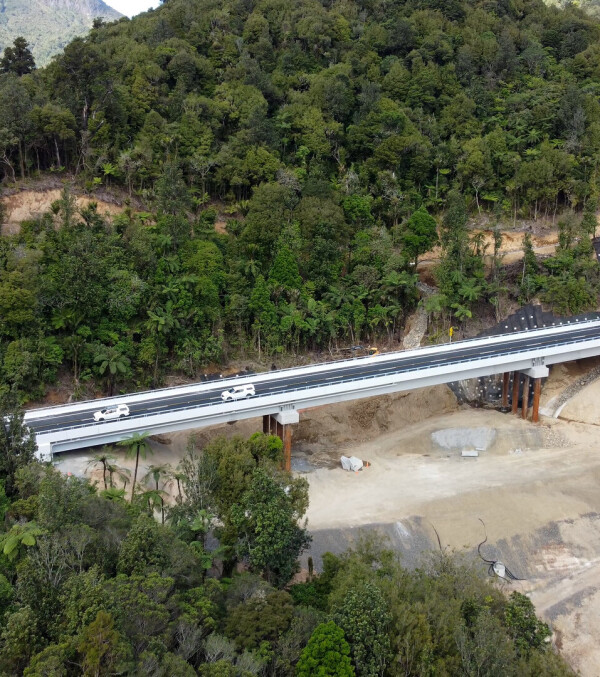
[(536, 487)]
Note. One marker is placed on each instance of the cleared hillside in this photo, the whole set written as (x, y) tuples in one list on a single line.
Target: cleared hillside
[(49, 25)]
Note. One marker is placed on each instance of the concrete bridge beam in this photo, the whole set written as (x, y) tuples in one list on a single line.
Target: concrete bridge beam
[(539, 371)]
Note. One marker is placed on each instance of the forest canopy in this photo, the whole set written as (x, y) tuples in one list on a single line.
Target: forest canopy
[(296, 159), (405, 99), (91, 584)]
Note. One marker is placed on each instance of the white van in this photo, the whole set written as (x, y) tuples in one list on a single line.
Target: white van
[(111, 413), (238, 393)]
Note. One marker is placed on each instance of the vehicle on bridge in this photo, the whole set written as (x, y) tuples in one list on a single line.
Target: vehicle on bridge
[(238, 393), (111, 413)]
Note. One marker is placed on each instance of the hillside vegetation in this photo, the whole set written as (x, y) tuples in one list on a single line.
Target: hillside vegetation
[(93, 585), (49, 25), (340, 140), (592, 7)]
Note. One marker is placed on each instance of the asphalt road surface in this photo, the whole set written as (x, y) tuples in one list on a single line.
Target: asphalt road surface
[(355, 370)]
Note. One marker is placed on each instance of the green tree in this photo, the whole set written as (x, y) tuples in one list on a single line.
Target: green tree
[(17, 59), (103, 459), (56, 124), (589, 222), (111, 362), (171, 190), (145, 548), (327, 654), (19, 640), (268, 213), (263, 617), (267, 521), (485, 648), (52, 660), (528, 631), (365, 619), (156, 473), (139, 605), (136, 446), (419, 234), (19, 535), (284, 271), (17, 444), (102, 648)]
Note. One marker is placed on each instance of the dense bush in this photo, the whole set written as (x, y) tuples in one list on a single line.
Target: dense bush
[(328, 137), (92, 584)]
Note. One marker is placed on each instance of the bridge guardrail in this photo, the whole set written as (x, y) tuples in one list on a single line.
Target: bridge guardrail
[(323, 384), (205, 385)]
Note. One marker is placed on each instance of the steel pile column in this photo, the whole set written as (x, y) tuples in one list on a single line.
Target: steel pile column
[(287, 447), (281, 425), (515, 392), (505, 380), (537, 388), (525, 397)]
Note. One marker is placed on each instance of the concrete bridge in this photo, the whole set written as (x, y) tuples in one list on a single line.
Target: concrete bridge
[(282, 395)]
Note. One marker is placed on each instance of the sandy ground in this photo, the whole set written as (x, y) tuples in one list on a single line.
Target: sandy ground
[(30, 204), (24, 204), (534, 486), (544, 244), (584, 406)]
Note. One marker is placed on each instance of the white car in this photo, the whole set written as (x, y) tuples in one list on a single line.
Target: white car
[(111, 413), (238, 393)]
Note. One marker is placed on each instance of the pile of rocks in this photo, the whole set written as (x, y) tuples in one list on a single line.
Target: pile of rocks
[(553, 439), (576, 387)]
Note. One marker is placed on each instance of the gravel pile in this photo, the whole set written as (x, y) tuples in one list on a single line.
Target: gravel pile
[(576, 387), (553, 439)]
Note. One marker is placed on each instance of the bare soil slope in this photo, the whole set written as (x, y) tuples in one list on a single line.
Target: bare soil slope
[(31, 204)]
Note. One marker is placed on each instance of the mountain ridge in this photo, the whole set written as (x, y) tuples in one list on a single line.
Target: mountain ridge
[(49, 25), (590, 6)]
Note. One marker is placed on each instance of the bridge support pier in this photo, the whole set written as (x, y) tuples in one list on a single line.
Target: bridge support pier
[(525, 397), (537, 373), (281, 425), (505, 381), (44, 453), (537, 389), (515, 392)]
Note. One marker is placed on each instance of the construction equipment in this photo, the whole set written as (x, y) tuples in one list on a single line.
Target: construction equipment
[(359, 351)]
